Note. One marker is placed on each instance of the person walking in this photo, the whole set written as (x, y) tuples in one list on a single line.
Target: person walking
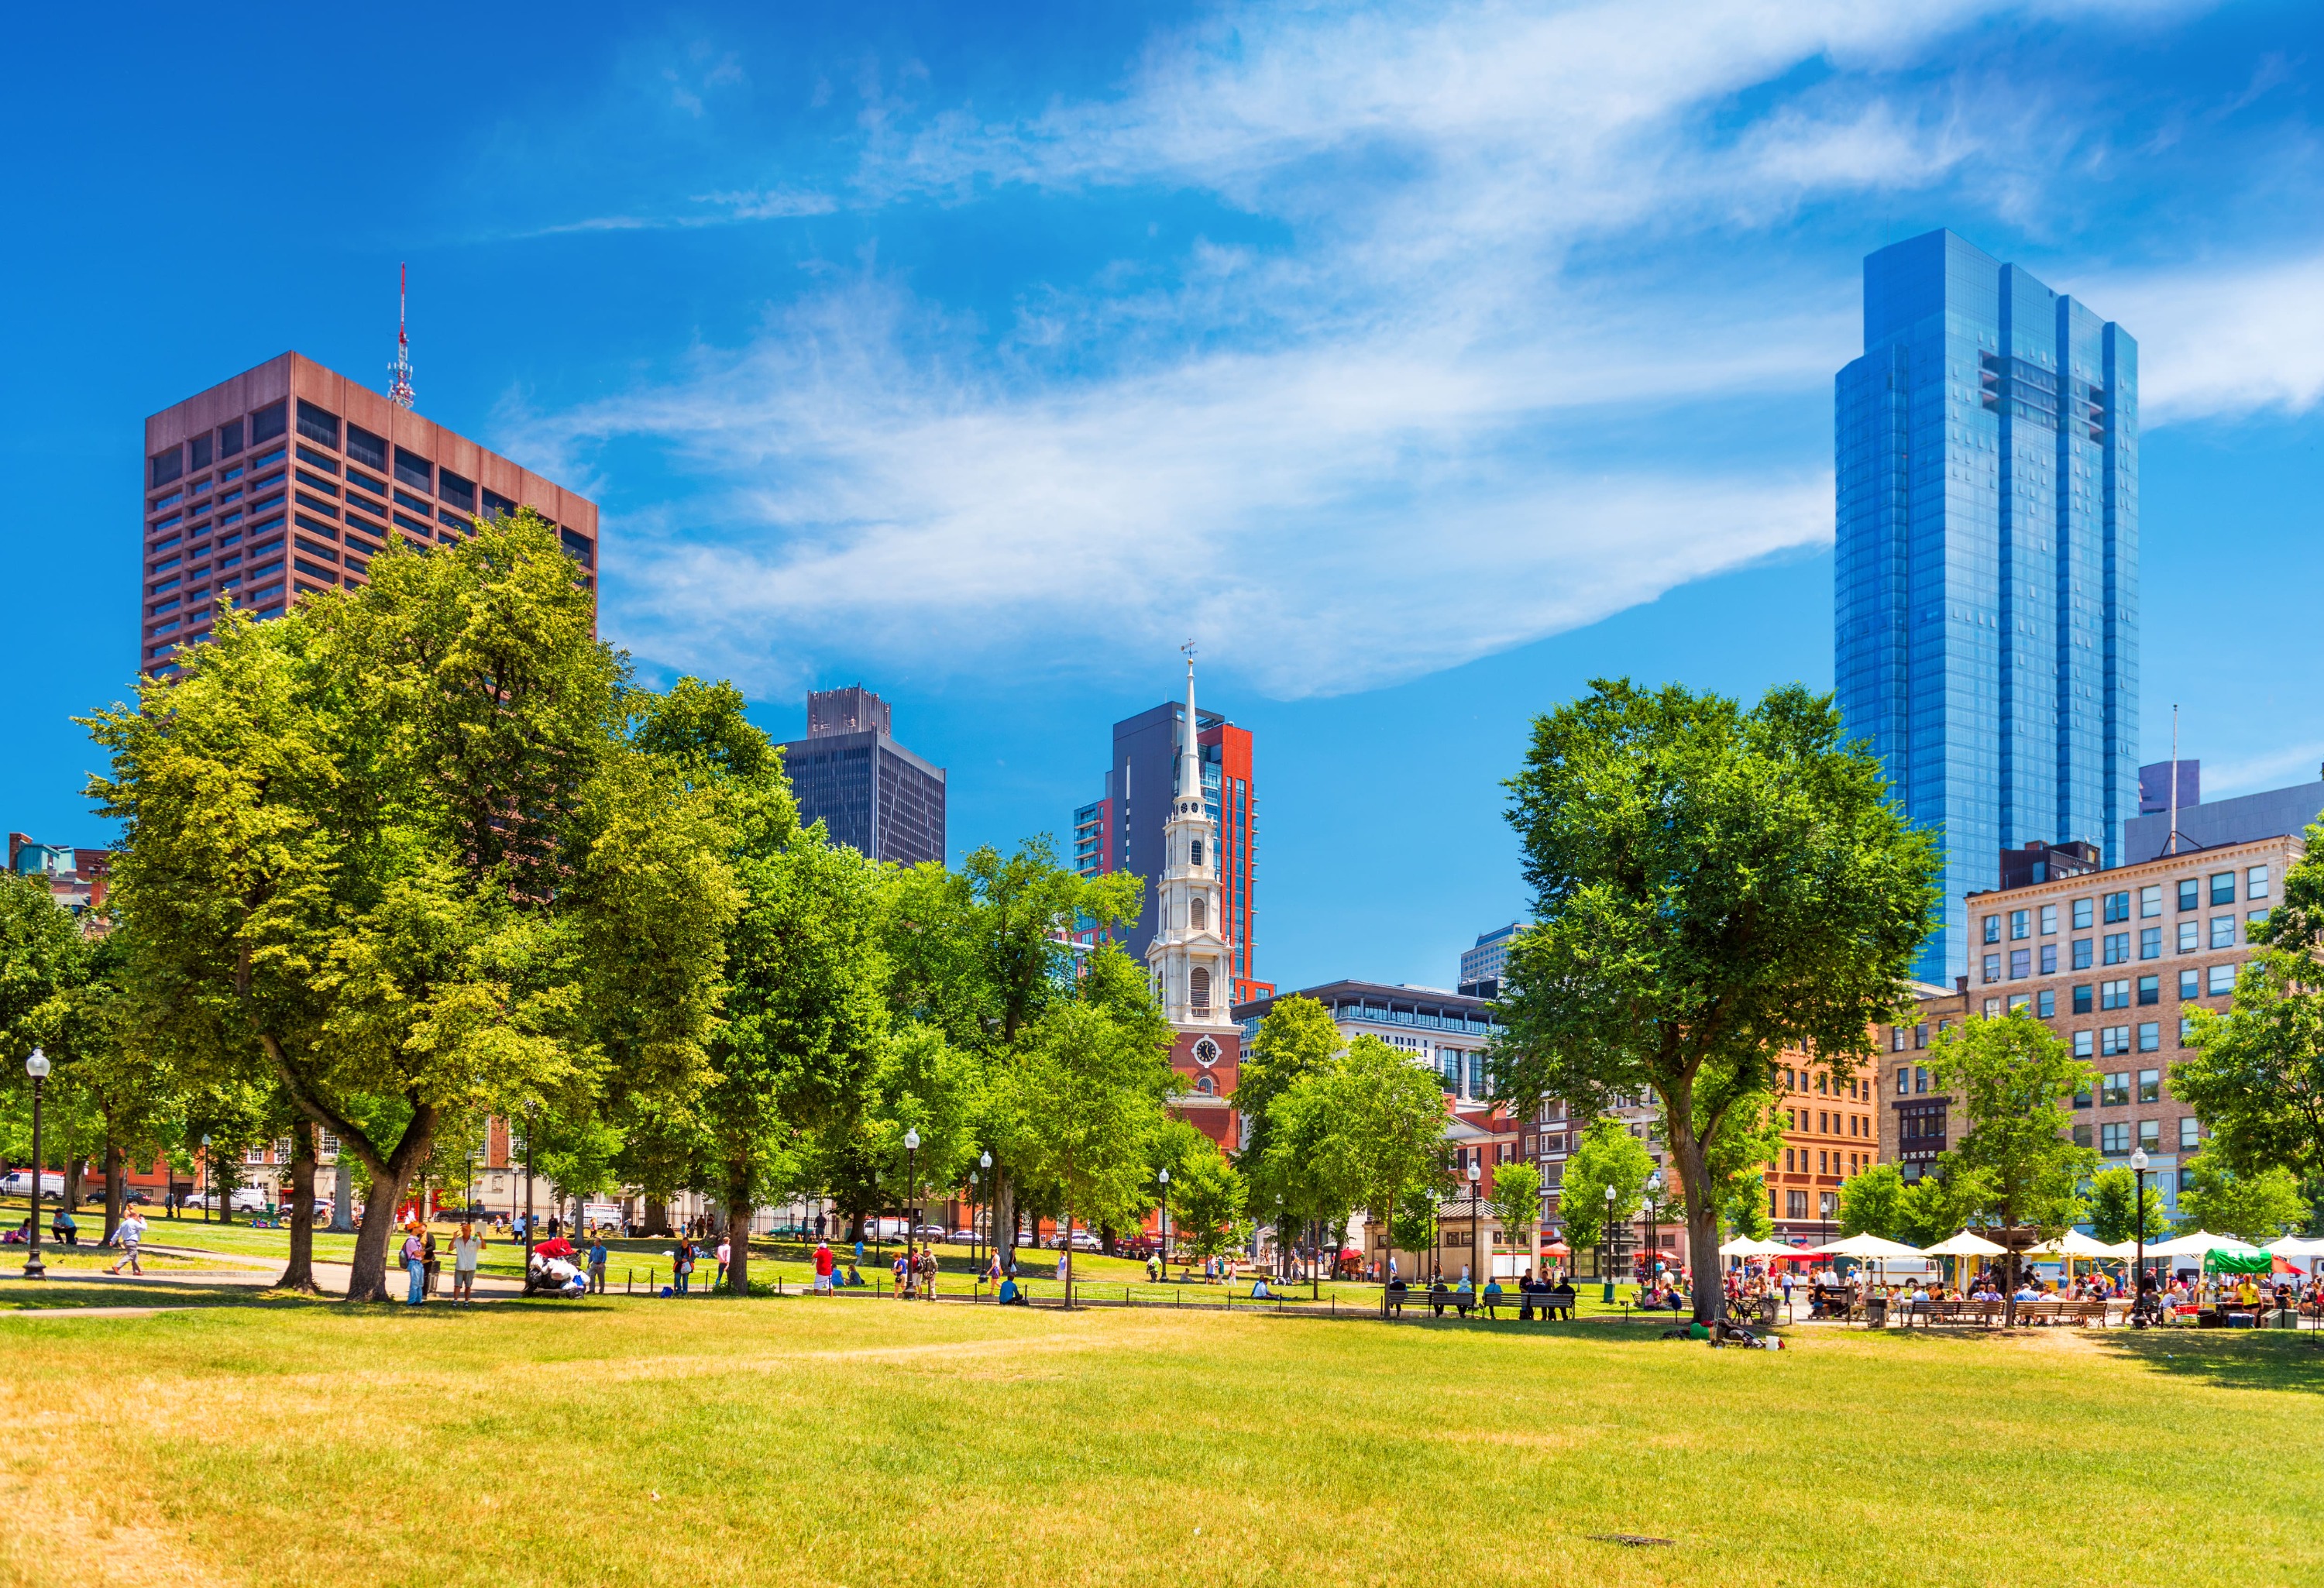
[(725, 1251), (467, 1246), (415, 1264), (130, 1234), (598, 1265), (823, 1263)]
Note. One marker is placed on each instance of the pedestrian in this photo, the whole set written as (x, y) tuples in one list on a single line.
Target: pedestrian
[(823, 1263), (428, 1258), (130, 1234), (681, 1264), (859, 1251), (467, 1246), (415, 1264), (900, 1270), (598, 1265), (725, 1252), (929, 1272)]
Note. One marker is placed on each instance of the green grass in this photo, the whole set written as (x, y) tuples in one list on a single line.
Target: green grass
[(823, 1441)]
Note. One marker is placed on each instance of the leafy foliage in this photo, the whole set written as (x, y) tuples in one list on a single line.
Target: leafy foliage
[(1608, 1155), (2257, 1207)]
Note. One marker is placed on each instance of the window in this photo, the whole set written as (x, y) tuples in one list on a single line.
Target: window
[(2114, 1138), (2190, 983), (2018, 1001), (2113, 995), (1795, 1204), (267, 422), (2082, 954), (229, 438), (2021, 924), (2189, 1137), (322, 460), (2150, 901), (2049, 959), (2150, 1086), (2113, 1041), (2150, 989), (2048, 921), (2191, 893), (2254, 880), (2117, 907), (2045, 1004), (414, 470), (497, 505), (1992, 922), (2253, 922), (2082, 1135), (2191, 937), (1200, 907), (2082, 998), (1896, 1038), (1919, 1078), (2150, 943), (200, 448), (1993, 1008), (1903, 1080), (2221, 981), (1921, 1036), (365, 448), (2117, 949), (2081, 915), (461, 493), (2150, 1133), (1198, 987), (2223, 931), (577, 546), (316, 425), (1993, 967), (168, 465), (2021, 964), (2223, 886), (2150, 1037), (2186, 1030)]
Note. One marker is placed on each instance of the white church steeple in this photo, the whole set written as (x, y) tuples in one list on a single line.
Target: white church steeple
[(1188, 956)]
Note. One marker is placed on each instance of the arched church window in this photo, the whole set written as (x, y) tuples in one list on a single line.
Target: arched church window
[(1198, 988), (1199, 912), (1198, 854), (1206, 1086)]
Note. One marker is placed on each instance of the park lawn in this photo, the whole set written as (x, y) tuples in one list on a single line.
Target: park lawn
[(810, 1440)]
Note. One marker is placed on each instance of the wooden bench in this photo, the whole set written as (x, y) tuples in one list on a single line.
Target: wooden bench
[(1550, 1304)]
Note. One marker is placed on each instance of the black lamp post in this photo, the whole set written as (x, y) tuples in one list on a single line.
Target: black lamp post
[(531, 1129), (1654, 1223), (1476, 1279), (984, 1162), (911, 1219), (1606, 1249), (205, 1180), (36, 1067), (1164, 1227), (2138, 1202)]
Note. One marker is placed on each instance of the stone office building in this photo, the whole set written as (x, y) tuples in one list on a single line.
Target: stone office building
[(2114, 962)]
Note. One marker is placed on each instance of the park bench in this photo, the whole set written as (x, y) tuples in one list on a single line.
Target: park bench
[(1549, 1304)]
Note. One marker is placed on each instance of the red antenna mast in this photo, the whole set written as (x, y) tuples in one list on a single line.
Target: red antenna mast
[(399, 373)]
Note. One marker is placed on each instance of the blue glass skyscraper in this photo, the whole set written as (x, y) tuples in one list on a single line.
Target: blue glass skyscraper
[(1985, 622)]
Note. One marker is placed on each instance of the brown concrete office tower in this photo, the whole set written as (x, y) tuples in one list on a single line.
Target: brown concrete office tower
[(289, 478)]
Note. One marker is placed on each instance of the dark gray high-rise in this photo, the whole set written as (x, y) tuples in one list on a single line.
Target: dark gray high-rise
[(871, 793)]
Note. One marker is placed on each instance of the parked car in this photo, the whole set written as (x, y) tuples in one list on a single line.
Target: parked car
[(241, 1199), (19, 1183), (1083, 1242), (932, 1232), (964, 1237)]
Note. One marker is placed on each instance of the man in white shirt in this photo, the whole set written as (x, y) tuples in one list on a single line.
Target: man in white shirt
[(130, 1234), (467, 1246)]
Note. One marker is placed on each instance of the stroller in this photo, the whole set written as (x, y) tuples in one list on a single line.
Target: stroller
[(553, 1271)]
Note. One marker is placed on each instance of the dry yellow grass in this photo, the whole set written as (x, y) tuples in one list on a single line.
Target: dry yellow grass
[(864, 1443)]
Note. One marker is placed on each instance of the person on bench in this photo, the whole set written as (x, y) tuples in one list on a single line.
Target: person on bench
[(1392, 1298), (1493, 1294), (1438, 1295)]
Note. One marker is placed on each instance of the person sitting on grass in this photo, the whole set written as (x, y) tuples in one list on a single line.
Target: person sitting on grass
[(854, 1279), (1258, 1291), (1011, 1296)]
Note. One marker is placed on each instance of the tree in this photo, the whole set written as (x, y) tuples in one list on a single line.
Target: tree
[(386, 853), (1608, 1155), (2257, 1207), (1872, 1203), (1711, 887), (1088, 1092), (1413, 1225), (1206, 1200), (1382, 1123), (2015, 1078), (2255, 1074), (1297, 1039), (2114, 1205), (1516, 1203)]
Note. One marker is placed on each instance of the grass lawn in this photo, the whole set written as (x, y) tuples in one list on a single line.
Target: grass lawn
[(865, 1442)]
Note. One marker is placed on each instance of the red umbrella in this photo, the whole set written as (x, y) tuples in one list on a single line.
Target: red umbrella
[(1557, 1248), (555, 1246)]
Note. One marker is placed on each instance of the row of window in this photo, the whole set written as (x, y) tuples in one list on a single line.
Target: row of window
[(1795, 1161), (228, 503), (2115, 948), (2113, 1137), (173, 463), (2117, 905)]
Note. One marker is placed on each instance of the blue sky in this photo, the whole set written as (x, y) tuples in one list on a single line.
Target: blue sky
[(1421, 362)]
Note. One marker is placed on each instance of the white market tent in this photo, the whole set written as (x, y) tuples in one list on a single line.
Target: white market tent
[(2296, 1246), (1744, 1246), (1966, 1245), (2074, 1243), (2198, 1244), (1866, 1246)]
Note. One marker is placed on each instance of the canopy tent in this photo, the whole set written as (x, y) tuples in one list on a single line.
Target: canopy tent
[(2220, 1259), (2198, 1244), (2074, 1243), (1966, 1245), (2296, 1246), (1744, 1246), (1865, 1246)]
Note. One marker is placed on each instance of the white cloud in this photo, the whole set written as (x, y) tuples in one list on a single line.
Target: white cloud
[(2223, 341), (1463, 407)]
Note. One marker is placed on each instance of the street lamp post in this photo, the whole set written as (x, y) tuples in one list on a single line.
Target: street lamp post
[(1164, 1227), (2138, 1202), (911, 1219), (1606, 1249), (1476, 1266), (531, 1129), (984, 1162), (1654, 1223), (36, 1067), (203, 1179)]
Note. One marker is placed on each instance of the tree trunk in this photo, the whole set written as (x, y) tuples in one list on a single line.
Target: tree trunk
[(1066, 1235), (1708, 1295), (301, 1273), (738, 1230), (1003, 1218), (367, 1278), (114, 1190), (343, 1221), (657, 1217), (73, 1165)]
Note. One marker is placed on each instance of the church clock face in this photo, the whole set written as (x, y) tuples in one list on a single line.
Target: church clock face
[(1207, 1053)]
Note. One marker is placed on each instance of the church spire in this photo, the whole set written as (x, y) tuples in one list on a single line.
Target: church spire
[(1190, 764)]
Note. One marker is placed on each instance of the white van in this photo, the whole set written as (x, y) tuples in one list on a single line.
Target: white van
[(19, 1183)]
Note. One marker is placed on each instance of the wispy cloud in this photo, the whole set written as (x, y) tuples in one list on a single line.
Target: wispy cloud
[(1486, 375), (2224, 339)]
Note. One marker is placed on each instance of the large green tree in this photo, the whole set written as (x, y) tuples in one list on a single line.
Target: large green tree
[(1606, 1157), (1381, 1121), (2256, 1207), (384, 853), (1516, 1202), (1296, 1039), (1712, 886), (2115, 1204)]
